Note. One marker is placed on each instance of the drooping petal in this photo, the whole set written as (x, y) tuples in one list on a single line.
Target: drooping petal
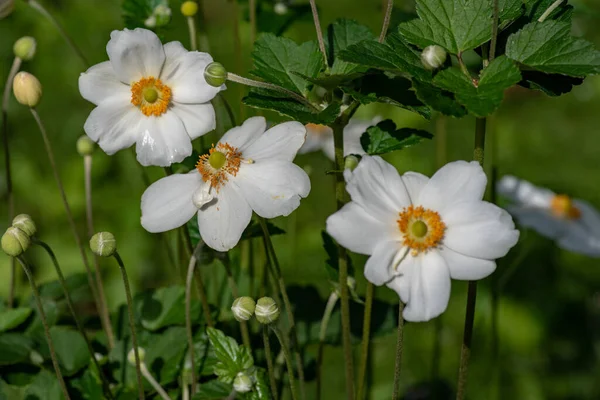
[(241, 137), (163, 141), (272, 188), (135, 54), (198, 119), (100, 82), (539, 219), (429, 288), (402, 281), (379, 268), (183, 72), (167, 203), (524, 193), (377, 187), (455, 182), (281, 142), (223, 220), (479, 229), (466, 268), (414, 183)]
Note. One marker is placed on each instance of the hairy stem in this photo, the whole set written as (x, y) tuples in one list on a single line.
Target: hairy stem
[(159, 389), (399, 349), (315, 13), (495, 21), (288, 359), (270, 368), (366, 340), (188, 318), (333, 298), (386, 20), (236, 293), (549, 10), (193, 35)]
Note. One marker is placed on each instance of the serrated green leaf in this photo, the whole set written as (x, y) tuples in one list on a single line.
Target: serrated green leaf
[(13, 317), (484, 97), (204, 354), (164, 307), (164, 354), (456, 25), (438, 99), (213, 390), (509, 11), (549, 47), (535, 8), (384, 138), (340, 35), (550, 84), (261, 389), (15, 348), (232, 357), (71, 349)]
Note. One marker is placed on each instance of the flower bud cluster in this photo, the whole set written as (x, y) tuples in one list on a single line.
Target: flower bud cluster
[(265, 309), (17, 238)]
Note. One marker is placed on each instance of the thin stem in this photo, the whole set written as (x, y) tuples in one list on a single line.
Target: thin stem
[(268, 356), (40, 308), (104, 315), (186, 391), (159, 389), (131, 325), (386, 20), (399, 349), (366, 340), (495, 21), (462, 65), (315, 14), (63, 285), (333, 298), (9, 189), (549, 10), (252, 6), (288, 359), (193, 35), (37, 6), (235, 292)]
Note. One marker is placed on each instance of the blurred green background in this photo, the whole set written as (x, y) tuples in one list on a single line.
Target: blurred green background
[(549, 318)]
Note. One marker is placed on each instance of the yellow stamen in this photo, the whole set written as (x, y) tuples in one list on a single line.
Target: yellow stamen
[(221, 161), (562, 206), (151, 96), (422, 229)]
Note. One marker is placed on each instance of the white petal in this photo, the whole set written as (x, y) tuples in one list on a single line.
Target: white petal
[(479, 229), (454, 182), (429, 288), (352, 134), (540, 220), (281, 142), (328, 148), (135, 54), (356, 230), (466, 268), (524, 193), (198, 119), (579, 240), (167, 203), (379, 268), (272, 188), (163, 141), (590, 217), (114, 124), (241, 137), (414, 183), (223, 220), (401, 282), (100, 82), (377, 187), (183, 72), (316, 138)]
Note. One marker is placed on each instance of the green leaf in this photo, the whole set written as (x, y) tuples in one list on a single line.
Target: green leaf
[(13, 317), (438, 99), (277, 58), (550, 84), (549, 47), (44, 386), (483, 99), (89, 385), (232, 357), (213, 390), (340, 35), (267, 20), (164, 307), (261, 389), (254, 230), (456, 25), (15, 348), (165, 353), (136, 12), (510, 10), (535, 8), (188, 164), (384, 138), (71, 349), (205, 358)]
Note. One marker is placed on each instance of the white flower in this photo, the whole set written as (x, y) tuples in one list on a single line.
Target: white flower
[(573, 223), (249, 169), (320, 137), (152, 95), (421, 232)]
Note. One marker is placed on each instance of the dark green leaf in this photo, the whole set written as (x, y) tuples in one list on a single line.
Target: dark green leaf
[(11, 392), (15, 348), (213, 390), (164, 354), (36, 329), (509, 11), (89, 385), (341, 34), (384, 138), (232, 357), (44, 386), (13, 317), (164, 307), (438, 99), (535, 8), (267, 20), (254, 230), (77, 285), (204, 354), (550, 84), (261, 389), (71, 349)]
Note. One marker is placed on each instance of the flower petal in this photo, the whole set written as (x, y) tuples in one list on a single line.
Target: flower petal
[(590, 217), (379, 268), (401, 282), (579, 240), (272, 188), (100, 82), (454, 182), (198, 119), (135, 54), (183, 72), (223, 220), (281, 142), (466, 268), (524, 193), (317, 138), (540, 220), (479, 229), (414, 183), (241, 137), (163, 141), (352, 134), (167, 203)]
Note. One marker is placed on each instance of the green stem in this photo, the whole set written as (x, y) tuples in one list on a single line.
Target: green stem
[(270, 368), (131, 325), (399, 350), (333, 298), (235, 292), (549, 10), (495, 22), (386, 20), (366, 340), (188, 317), (315, 14), (193, 35), (159, 389), (288, 359), (36, 295)]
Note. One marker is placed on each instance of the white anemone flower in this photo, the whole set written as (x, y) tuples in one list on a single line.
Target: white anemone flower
[(150, 95), (421, 232), (247, 170), (573, 223), (320, 137)]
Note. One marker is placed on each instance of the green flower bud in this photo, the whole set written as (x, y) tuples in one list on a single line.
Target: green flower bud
[(351, 162), (189, 8), (101, 358), (36, 358), (433, 57), (242, 383), (162, 13), (85, 146), (243, 308), (25, 223), (24, 48), (280, 8), (103, 244), (27, 89), (131, 356), (6, 7), (215, 74), (15, 242), (150, 22), (266, 310)]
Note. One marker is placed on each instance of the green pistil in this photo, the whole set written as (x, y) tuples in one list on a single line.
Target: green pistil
[(419, 229), (150, 95), (217, 160)]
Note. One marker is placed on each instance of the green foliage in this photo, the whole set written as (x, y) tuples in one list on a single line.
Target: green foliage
[(213, 390), (340, 35), (232, 357), (71, 349), (384, 138), (164, 307), (438, 99), (15, 348), (137, 12), (13, 317), (267, 20)]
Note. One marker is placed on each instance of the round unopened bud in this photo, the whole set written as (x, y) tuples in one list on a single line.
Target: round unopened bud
[(150, 22), (25, 223), (131, 355), (280, 8), (433, 57), (85, 146), (243, 308), (103, 244), (24, 48), (215, 74), (189, 8), (15, 242), (36, 358), (266, 310), (6, 7), (27, 89), (242, 383), (351, 162)]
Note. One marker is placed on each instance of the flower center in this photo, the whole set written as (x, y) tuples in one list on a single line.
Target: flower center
[(217, 159), (151, 96), (221, 161), (562, 206), (422, 229)]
